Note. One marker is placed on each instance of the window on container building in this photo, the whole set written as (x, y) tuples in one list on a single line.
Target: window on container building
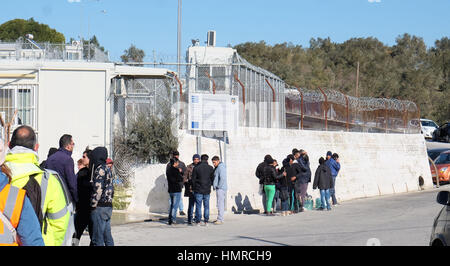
[(20, 98)]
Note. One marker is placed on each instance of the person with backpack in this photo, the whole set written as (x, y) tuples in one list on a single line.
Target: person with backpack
[(323, 181), (44, 189), (17, 217), (102, 195), (83, 206)]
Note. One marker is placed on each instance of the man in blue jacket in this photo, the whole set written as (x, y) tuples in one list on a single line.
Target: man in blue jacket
[(220, 185), (62, 162), (335, 166)]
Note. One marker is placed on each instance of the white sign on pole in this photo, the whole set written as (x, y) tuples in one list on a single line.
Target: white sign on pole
[(213, 112)]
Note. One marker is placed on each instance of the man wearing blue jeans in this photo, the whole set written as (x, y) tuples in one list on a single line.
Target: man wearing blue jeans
[(101, 226), (334, 165), (323, 181), (182, 166), (188, 192), (175, 199), (174, 181), (199, 199), (220, 186), (202, 180), (101, 198), (325, 198)]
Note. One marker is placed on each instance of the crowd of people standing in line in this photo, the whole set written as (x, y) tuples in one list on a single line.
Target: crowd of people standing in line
[(36, 199), (197, 178), (289, 184)]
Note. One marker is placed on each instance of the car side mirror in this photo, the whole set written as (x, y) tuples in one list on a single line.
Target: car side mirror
[(442, 198)]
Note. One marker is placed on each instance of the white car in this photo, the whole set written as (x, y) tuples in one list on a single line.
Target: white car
[(427, 128)]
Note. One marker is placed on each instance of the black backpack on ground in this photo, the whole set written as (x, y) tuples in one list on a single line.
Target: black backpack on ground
[(34, 193)]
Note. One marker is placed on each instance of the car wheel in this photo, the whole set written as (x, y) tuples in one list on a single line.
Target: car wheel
[(437, 243)]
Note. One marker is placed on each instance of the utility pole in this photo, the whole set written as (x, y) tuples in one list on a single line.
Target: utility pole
[(179, 38), (357, 80)]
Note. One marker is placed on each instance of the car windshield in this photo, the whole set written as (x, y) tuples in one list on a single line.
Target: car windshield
[(433, 154), (444, 158), (428, 124)]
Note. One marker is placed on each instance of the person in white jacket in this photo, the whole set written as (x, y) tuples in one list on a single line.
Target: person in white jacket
[(220, 186)]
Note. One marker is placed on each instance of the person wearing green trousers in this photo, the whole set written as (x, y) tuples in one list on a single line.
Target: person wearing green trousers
[(270, 177)]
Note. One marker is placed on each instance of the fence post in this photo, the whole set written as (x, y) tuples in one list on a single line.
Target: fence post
[(243, 94), (301, 108), (181, 95), (326, 109), (347, 123), (405, 116), (386, 118), (273, 97)]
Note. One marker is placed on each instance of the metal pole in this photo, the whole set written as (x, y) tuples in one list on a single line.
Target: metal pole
[(243, 94), (179, 37), (273, 96), (357, 79), (326, 109), (225, 135)]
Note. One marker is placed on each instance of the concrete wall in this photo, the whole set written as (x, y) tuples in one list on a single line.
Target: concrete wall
[(371, 164)]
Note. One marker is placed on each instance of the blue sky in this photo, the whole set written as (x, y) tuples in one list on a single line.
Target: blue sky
[(152, 24)]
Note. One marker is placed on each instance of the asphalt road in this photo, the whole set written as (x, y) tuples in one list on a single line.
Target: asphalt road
[(402, 219)]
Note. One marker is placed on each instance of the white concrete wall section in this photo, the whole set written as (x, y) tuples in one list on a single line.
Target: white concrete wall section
[(371, 164)]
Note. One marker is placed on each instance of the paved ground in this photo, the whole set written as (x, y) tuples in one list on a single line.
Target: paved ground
[(402, 219)]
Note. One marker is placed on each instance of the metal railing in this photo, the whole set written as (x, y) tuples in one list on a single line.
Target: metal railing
[(26, 50)]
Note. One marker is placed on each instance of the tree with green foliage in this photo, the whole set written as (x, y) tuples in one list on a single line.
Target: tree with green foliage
[(406, 70), (12, 30), (133, 54)]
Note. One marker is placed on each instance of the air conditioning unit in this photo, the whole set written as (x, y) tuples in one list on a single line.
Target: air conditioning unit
[(211, 38)]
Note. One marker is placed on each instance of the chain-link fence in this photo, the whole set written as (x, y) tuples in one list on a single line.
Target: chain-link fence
[(137, 100), (325, 109)]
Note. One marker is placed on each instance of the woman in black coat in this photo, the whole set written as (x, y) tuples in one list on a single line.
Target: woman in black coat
[(323, 181)]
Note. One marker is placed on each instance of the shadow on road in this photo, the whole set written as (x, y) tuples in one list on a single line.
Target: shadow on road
[(262, 240)]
